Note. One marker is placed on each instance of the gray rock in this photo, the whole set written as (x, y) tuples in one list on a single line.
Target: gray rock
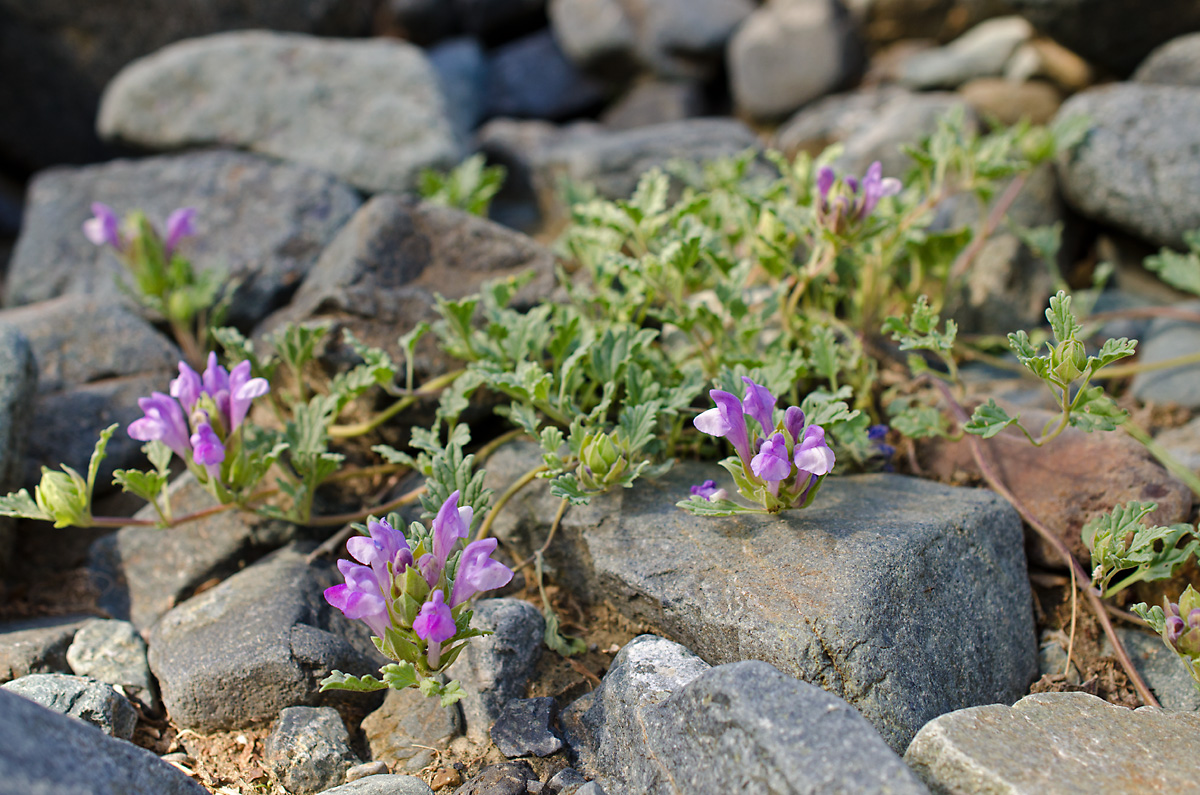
[(656, 102), (1165, 675), (686, 38), (506, 778), (742, 727), (309, 750), (495, 668), (1176, 63), (88, 350), (112, 651), (18, 383), (1115, 34), (37, 646), (981, 52), (567, 777), (1052, 657), (142, 572), (261, 222), (1135, 168), (1182, 442), (462, 73), (1057, 742), (60, 57), (409, 729), (590, 788), (525, 728), (379, 277), (82, 759), (257, 643), (1167, 339), (383, 785), (367, 769), (368, 111), (790, 52), (85, 699), (828, 618), (597, 35), (531, 78)]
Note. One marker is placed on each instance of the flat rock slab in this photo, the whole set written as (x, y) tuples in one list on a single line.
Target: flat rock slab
[(50, 754), (663, 721), (1058, 743), (907, 598), (1136, 169), (259, 642), (369, 111), (264, 223)]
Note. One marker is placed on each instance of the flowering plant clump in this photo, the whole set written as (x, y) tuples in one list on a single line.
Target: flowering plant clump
[(414, 593), (1179, 625), (852, 201), (781, 468)]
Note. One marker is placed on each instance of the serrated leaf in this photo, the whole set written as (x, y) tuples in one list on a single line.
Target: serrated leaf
[(399, 675), (99, 453), (566, 487), (1113, 350), (917, 421), (394, 456), (146, 485), (1093, 410), (1122, 539), (702, 507), (358, 684), (1061, 318), (1181, 271), (988, 420), (20, 505)]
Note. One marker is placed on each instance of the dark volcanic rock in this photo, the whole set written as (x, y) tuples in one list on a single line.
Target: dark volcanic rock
[(37, 646), (525, 728), (257, 643)]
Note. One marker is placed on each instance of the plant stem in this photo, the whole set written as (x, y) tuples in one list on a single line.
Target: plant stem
[(430, 388), (1172, 464), (486, 528), (558, 517), (1121, 371), (1082, 579), (968, 255)]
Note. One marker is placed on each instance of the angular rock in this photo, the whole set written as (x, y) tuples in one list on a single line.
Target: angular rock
[(142, 572), (87, 349), (462, 74), (597, 35), (900, 649), (379, 277), (506, 778), (1135, 168), (263, 223), (742, 727), (495, 668), (1176, 63), (981, 52), (1047, 479), (1010, 102), (532, 78), (1048, 739), (112, 651), (409, 729), (257, 643), (368, 111), (1115, 34), (525, 728), (1165, 674), (85, 699), (656, 102), (37, 646), (789, 52), (309, 750), (1167, 339), (567, 777), (59, 58), (84, 760), (383, 785), (18, 383)]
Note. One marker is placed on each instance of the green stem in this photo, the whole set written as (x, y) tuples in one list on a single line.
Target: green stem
[(1173, 464), (1137, 576), (486, 528), (358, 429), (1121, 371)]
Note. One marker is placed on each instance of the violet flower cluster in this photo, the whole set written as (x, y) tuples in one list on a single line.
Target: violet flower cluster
[(780, 465), (416, 599), (104, 229), (852, 202), (202, 420)]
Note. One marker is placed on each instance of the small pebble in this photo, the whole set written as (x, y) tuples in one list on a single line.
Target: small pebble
[(567, 777), (446, 777), (366, 769)]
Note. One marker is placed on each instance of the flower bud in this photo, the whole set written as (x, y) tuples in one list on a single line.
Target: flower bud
[(1068, 360), (602, 462), (64, 497)]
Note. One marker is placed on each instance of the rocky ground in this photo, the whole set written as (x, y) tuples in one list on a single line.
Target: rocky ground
[(905, 634)]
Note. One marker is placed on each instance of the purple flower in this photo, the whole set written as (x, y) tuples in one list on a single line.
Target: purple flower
[(875, 187), (727, 419), (772, 464), (102, 229), (793, 423), (1175, 628), (179, 225), (216, 385), (450, 524), (813, 456), (435, 625), (385, 545), (759, 403), (187, 387), (477, 571), (1193, 619), (708, 491), (825, 177), (360, 598), (242, 390), (164, 422), (207, 449)]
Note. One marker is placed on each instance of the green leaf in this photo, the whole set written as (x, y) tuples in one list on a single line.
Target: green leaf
[(566, 487), (399, 675), (988, 420), (918, 330), (917, 421), (1093, 410), (1062, 319), (359, 684), (1121, 539), (99, 453), (702, 507), (159, 455), (146, 485), (1113, 350), (20, 505), (1153, 616), (394, 456), (565, 645), (1181, 271)]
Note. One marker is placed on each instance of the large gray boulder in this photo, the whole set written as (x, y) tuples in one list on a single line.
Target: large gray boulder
[(951, 624), (18, 383), (263, 223), (1136, 168), (370, 112), (51, 754)]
